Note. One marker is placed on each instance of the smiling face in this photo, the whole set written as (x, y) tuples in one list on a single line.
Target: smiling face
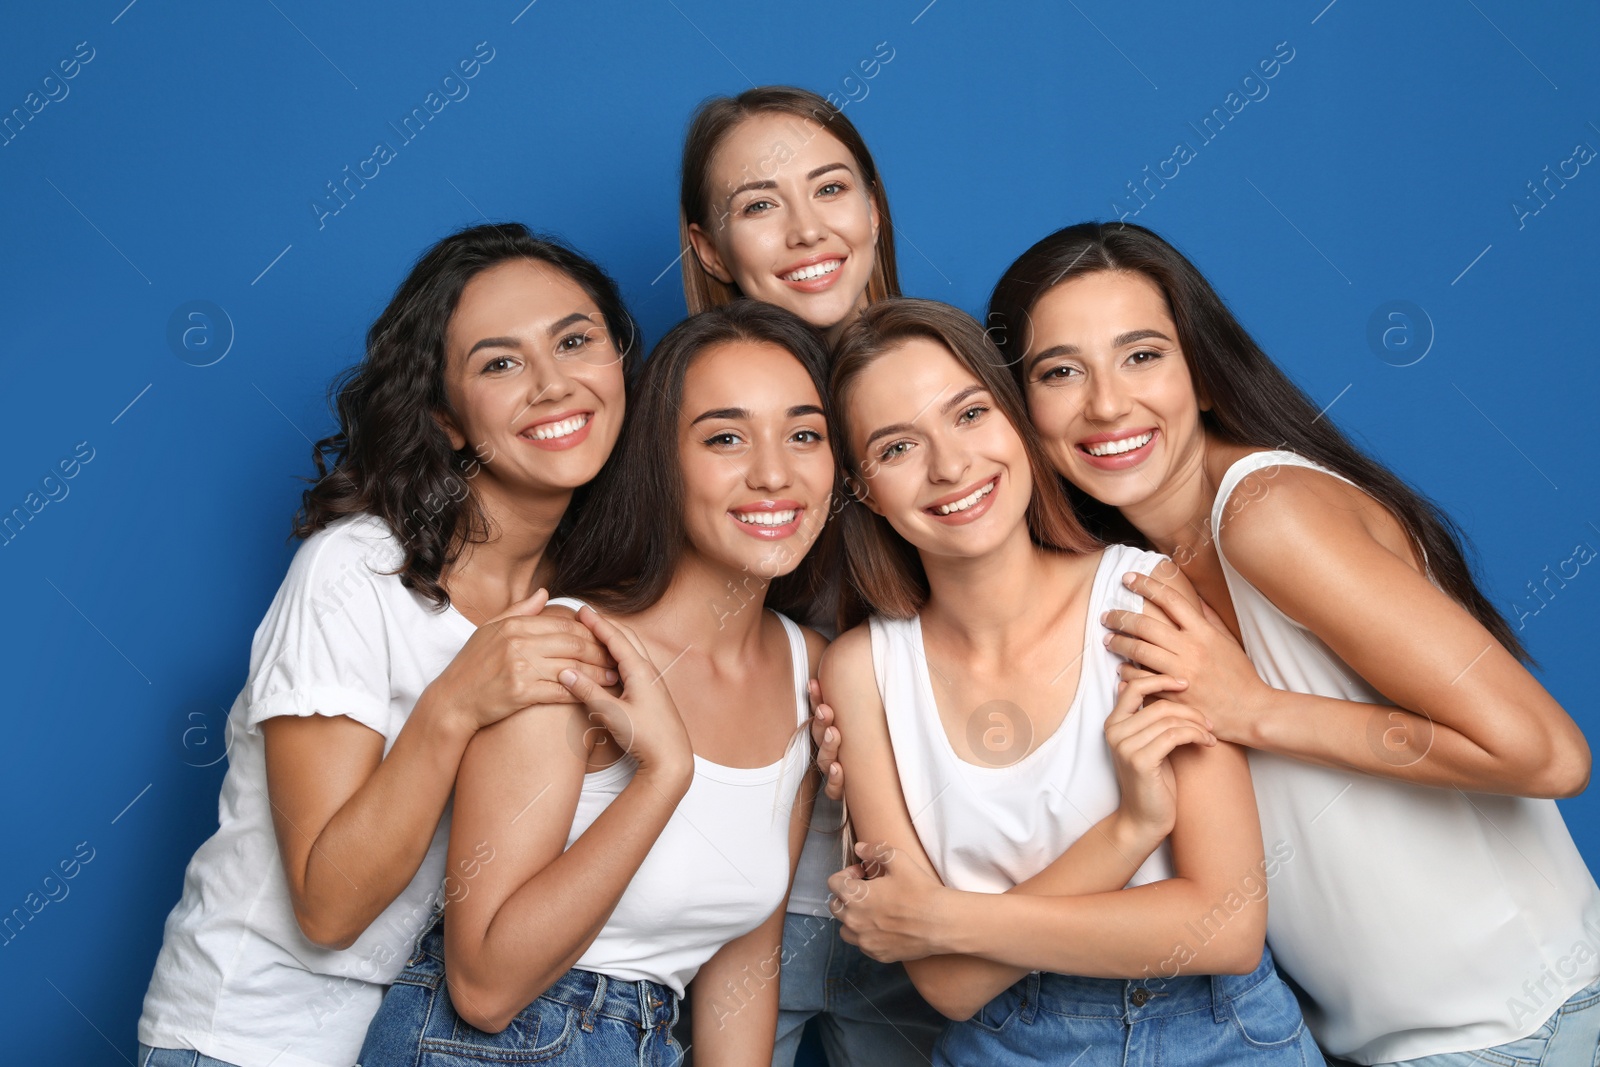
[(1109, 388), (755, 458), (790, 220), (533, 379), (938, 460)]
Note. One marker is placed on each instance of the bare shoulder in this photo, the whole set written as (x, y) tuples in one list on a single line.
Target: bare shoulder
[(847, 663), (1280, 509)]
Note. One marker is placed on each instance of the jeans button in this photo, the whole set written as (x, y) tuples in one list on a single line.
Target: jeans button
[(1139, 997)]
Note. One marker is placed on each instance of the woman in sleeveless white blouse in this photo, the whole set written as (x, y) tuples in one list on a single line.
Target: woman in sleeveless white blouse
[(646, 839), (1432, 913), (986, 598)]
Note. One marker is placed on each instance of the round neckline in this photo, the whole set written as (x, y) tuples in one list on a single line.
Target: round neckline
[(925, 679)]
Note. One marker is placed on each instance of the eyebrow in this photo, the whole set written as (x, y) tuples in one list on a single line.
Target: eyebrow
[(516, 343), (734, 414), (906, 427), (1116, 342), (769, 184)]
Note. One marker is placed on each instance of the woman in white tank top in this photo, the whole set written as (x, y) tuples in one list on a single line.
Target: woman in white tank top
[(646, 839), (1431, 912), (980, 711)]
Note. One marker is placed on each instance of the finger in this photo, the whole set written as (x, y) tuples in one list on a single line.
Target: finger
[(1144, 627), (1163, 715), (1158, 742), (1213, 618), (814, 694), (561, 644), (633, 663), (1151, 657), (828, 751), (1179, 608), (1129, 671), (821, 720), (527, 606), (1136, 691), (835, 783)]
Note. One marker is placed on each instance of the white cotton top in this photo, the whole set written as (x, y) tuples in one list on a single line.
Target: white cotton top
[(719, 868), (236, 979), (822, 855), (985, 829), (1418, 921)]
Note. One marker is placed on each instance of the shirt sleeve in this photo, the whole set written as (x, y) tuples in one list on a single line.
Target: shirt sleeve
[(323, 647)]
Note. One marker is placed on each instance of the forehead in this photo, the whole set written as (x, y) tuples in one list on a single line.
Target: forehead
[(516, 297), (1106, 300), (770, 146), (907, 381), (757, 376)]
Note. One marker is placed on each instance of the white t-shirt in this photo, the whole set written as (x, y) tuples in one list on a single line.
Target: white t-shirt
[(987, 828), (236, 979), (720, 866), (1419, 921)]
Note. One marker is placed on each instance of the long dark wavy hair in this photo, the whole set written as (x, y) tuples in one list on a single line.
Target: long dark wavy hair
[(713, 121), (390, 457), (883, 572), (1252, 402), (625, 545)]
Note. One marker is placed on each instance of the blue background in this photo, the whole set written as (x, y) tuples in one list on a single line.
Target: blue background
[(184, 162)]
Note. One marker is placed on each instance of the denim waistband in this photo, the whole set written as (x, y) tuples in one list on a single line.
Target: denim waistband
[(1139, 998), (643, 1002)]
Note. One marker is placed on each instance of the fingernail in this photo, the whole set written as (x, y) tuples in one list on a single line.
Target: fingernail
[(611, 677), (1105, 616), (568, 677), (830, 735), (1128, 579), (833, 771), (1106, 640)]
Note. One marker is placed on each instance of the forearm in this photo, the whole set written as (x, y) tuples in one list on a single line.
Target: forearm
[(373, 845), (542, 929), (735, 1000), (1100, 861), (1391, 742), (1150, 930)]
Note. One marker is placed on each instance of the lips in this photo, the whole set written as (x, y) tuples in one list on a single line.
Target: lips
[(768, 520), (1118, 450), (965, 505), (813, 274), (565, 430)]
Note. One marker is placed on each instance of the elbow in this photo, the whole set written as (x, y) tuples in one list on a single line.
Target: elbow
[(477, 1005), (322, 930), (1566, 774), (948, 999), (1239, 951)]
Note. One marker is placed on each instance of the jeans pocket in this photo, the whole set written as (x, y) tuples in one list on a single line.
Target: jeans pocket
[(541, 1031), (996, 1015), (1267, 1015)]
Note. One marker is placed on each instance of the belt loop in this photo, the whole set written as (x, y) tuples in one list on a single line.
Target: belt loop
[(1030, 997), (587, 1016), (646, 1009), (1220, 1011)]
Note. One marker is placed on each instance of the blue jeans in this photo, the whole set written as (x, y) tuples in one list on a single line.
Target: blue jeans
[(868, 1013), (584, 1020), (1187, 1021), (1569, 1038), (175, 1057)]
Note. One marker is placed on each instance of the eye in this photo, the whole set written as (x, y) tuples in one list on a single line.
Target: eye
[(757, 207), (572, 342), (725, 439), (972, 413), (498, 363), (1143, 356), (832, 189), (1059, 373), (894, 451), (809, 437)]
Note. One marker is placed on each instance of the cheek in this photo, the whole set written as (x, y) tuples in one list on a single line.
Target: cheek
[(750, 250)]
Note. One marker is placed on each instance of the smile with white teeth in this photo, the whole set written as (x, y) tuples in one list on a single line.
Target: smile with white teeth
[(1116, 448), (551, 430), (766, 518), (967, 501), (813, 272)]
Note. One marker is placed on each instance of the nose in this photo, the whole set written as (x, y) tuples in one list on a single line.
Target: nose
[(548, 381), (948, 462), (1107, 400), (806, 224), (768, 466)]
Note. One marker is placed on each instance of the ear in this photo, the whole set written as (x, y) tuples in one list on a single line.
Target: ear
[(872, 206), (705, 249), (458, 440), (860, 493)]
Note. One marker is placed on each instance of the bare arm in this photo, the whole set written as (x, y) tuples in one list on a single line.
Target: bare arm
[(1467, 714), (531, 914), (352, 824)]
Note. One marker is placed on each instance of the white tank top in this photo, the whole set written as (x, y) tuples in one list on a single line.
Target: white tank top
[(720, 866), (1419, 921), (987, 828)]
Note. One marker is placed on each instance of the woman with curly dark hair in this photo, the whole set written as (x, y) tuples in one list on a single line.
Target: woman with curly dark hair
[(492, 392)]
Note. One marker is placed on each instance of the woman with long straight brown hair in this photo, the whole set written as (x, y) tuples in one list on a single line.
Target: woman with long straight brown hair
[(1000, 774)]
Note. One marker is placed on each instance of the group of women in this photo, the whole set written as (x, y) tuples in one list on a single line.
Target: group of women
[(1028, 807)]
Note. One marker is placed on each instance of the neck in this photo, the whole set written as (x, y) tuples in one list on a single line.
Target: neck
[(1176, 518), (491, 575), (708, 606), (994, 595), (832, 332)]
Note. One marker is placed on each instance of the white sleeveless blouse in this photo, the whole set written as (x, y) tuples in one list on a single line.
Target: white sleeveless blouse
[(720, 866), (987, 828), (1418, 921)]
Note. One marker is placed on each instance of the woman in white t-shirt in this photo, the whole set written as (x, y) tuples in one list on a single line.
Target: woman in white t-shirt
[(492, 392), (981, 711), (1433, 913), (645, 839)]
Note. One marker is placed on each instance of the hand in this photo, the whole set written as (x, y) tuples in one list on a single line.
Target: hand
[(1181, 642), (642, 717), (1141, 737), (886, 905), (512, 661), (826, 736)]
